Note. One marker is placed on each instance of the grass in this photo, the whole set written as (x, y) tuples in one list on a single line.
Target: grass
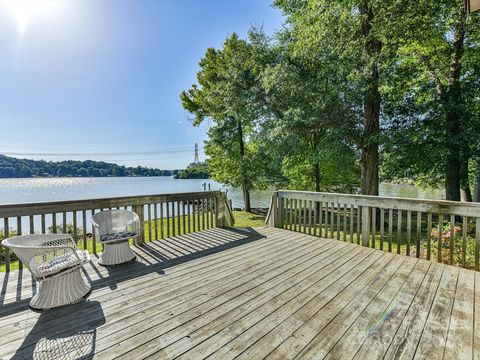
[(247, 219), (166, 226)]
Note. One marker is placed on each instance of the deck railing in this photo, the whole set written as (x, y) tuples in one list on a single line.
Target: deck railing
[(443, 231), (164, 215)]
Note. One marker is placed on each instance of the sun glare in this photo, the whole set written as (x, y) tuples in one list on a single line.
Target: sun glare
[(25, 10)]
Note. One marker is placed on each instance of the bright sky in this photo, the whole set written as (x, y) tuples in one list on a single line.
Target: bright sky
[(91, 76)]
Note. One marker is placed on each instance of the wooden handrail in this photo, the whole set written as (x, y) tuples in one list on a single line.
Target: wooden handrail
[(412, 226), (164, 215)]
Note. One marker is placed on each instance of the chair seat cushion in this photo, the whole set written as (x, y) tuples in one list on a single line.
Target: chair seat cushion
[(117, 236), (62, 262)]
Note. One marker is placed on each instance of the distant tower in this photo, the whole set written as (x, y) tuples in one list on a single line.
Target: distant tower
[(196, 160)]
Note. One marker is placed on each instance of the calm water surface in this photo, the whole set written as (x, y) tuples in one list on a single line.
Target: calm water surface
[(57, 189)]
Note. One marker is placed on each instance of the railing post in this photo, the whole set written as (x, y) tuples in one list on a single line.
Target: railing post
[(273, 211), (139, 210), (366, 218), (223, 215)]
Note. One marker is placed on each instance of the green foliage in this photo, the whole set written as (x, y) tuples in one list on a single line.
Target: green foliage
[(226, 93), (194, 171), (15, 168), (343, 89)]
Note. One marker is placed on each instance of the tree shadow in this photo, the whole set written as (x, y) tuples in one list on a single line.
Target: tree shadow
[(74, 341)]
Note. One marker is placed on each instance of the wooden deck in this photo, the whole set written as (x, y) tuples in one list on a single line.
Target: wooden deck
[(253, 294)]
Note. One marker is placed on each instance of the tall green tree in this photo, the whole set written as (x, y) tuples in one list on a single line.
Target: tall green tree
[(304, 113), (226, 94), (359, 37), (434, 91)]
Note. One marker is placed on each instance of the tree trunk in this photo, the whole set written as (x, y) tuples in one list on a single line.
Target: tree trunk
[(372, 101), (452, 165), (452, 99), (476, 189), (465, 191), (244, 171)]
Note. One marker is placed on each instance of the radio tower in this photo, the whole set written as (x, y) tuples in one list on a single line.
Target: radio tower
[(196, 160)]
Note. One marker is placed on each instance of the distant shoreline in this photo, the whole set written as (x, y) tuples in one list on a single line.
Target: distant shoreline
[(85, 177)]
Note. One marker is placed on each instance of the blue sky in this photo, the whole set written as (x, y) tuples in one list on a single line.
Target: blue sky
[(104, 76)]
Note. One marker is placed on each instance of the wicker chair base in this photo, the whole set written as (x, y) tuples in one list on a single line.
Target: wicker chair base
[(116, 253), (63, 289)]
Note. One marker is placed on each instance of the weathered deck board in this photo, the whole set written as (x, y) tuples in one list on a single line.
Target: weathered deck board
[(253, 293)]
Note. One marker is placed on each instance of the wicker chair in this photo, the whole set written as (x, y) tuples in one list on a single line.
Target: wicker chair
[(114, 228), (56, 263)]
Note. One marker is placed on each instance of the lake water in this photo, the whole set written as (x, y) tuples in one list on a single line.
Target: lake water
[(58, 189)]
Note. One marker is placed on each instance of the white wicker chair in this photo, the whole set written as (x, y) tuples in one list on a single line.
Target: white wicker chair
[(114, 228), (56, 263)]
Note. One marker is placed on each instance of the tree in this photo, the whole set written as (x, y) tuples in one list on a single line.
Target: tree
[(82, 172), (358, 37), (226, 94), (304, 113), (436, 87)]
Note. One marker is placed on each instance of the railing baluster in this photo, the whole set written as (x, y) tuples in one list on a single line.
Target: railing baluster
[(326, 220), (345, 213), (19, 232), (452, 239), (359, 211), (179, 218), (352, 211), (409, 230), (193, 216), (199, 209), (74, 224), (382, 227), (374, 227), (149, 219), (390, 230), (155, 215), (6, 234), (305, 217), (315, 214), (94, 237), (189, 206), (332, 221), (464, 241), (310, 217), (440, 240), (173, 218), (203, 214), (419, 233), (84, 225), (339, 211), (477, 244), (429, 235), (366, 222), (184, 218), (162, 234), (295, 215), (320, 219), (168, 218), (399, 231)]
